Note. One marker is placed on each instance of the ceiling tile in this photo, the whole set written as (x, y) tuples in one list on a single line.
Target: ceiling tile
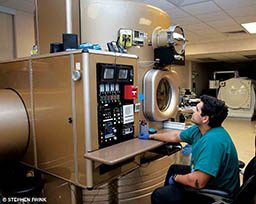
[(176, 2), (178, 13), (245, 19), (197, 26), (140, 1), (205, 7), (242, 11), (191, 37), (180, 3), (203, 32), (229, 4), (222, 23), (164, 5), (189, 2), (212, 16), (210, 33), (186, 20), (225, 29)]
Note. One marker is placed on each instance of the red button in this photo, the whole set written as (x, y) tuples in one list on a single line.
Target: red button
[(130, 92)]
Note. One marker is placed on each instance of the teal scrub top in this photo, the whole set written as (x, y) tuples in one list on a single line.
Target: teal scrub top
[(214, 153)]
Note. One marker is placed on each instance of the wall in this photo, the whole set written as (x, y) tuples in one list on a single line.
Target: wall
[(228, 46), (184, 73), (18, 35), (24, 33), (52, 22), (6, 36), (200, 77)]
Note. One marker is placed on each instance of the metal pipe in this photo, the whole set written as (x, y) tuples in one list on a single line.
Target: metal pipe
[(69, 16), (37, 27)]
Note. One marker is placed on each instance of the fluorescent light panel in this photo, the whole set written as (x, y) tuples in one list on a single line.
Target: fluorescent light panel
[(250, 27)]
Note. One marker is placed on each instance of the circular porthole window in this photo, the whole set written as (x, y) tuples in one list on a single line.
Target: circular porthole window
[(160, 89), (163, 95)]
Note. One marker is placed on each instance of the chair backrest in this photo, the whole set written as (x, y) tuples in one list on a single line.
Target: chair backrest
[(250, 169), (247, 191)]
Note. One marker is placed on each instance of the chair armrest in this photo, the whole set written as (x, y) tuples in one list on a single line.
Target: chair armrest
[(168, 148), (209, 191)]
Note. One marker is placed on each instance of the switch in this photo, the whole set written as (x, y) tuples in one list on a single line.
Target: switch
[(130, 92)]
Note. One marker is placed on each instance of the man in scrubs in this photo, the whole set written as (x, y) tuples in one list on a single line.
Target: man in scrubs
[(214, 162)]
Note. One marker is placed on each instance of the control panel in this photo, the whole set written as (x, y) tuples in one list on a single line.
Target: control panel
[(115, 94)]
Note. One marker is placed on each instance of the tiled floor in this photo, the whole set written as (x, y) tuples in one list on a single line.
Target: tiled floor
[(243, 135)]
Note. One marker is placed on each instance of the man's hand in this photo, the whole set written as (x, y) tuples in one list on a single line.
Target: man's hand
[(152, 136), (172, 180)]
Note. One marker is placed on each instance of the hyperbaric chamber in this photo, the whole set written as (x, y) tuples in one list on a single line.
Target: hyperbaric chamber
[(68, 106), (239, 96)]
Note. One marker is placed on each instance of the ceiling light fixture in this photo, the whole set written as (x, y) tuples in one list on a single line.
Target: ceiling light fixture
[(250, 27)]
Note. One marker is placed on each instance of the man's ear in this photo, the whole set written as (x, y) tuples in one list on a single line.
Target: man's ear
[(206, 119)]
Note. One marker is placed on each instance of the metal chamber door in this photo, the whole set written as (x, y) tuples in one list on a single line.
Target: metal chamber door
[(160, 89), (236, 92)]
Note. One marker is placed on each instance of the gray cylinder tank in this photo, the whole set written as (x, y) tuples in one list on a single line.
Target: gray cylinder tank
[(13, 125)]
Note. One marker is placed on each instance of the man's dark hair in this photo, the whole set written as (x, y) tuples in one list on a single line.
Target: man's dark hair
[(215, 109)]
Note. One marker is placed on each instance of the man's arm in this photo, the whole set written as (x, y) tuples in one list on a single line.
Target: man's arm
[(196, 179), (170, 136)]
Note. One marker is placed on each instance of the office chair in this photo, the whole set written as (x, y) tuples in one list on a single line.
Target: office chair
[(245, 195)]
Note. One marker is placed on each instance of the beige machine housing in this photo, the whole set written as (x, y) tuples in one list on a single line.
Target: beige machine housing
[(62, 111)]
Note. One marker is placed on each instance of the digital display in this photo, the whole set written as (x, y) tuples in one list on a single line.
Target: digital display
[(108, 73), (123, 74)]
